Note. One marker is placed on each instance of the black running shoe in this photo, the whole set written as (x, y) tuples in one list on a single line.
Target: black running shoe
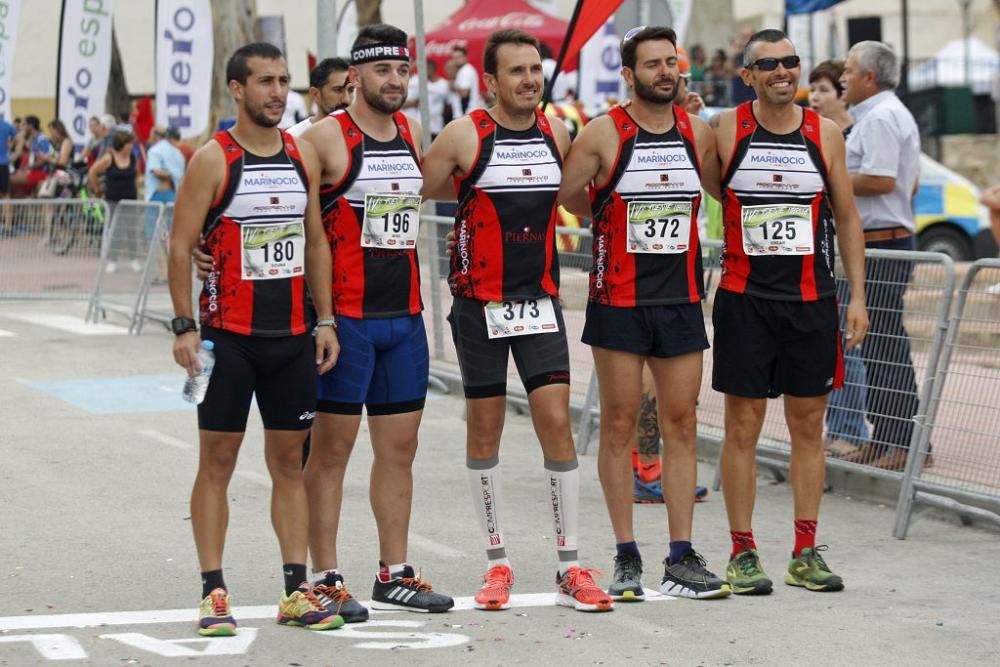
[(334, 596), (690, 578), (406, 590)]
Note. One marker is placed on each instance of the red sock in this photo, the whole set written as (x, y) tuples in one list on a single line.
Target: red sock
[(741, 542), (635, 460), (805, 535), (649, 472)]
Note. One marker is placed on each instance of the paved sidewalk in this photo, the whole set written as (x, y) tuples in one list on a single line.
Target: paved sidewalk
[(98, 563)]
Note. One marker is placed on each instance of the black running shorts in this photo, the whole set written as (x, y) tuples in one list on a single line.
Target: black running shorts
[(648, 331), (541, 359), (280, 371), (764, 348)]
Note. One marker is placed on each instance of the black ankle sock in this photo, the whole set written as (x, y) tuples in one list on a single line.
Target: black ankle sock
[(630, 548), (210, 581), (295, 574)]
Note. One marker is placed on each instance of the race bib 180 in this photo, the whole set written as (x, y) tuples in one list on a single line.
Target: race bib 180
[(520, 318), (782, 229), (272, 250), (662, 227), (391, 221)]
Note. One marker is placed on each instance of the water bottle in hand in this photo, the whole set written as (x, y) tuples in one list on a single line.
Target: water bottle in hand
[(195, 387)]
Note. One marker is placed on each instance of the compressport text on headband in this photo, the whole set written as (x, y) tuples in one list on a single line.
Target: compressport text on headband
[(372, 52)]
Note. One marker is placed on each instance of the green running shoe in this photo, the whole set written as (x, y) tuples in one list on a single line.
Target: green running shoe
[(811, 571), (746, 576)]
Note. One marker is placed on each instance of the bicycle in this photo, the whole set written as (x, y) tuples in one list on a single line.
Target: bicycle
[(66, 225)]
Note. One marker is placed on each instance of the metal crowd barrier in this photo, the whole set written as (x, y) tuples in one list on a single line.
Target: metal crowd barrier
[(152, 301), (958, 424), (50, 248), (125, 249)]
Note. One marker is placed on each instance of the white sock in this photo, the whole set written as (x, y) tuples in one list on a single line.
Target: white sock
[(484, 485), (562, 488)]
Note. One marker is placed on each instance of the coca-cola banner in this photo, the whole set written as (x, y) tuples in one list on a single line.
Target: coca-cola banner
[(184, 54), (9, 12), (84, 64)]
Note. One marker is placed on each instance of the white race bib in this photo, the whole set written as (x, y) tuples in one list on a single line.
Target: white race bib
[(777, 229), (661, 227), (391, 221), (520, 318), (272, 250)]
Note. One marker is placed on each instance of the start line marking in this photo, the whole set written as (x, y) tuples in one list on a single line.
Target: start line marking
[(257, 612)]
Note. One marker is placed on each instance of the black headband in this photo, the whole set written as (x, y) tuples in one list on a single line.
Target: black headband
[(379, 51)]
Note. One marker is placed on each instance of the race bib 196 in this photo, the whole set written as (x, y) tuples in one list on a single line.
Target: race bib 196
[(272, 250), (391, 221), (662, 227), (520, 318), (783, 229)]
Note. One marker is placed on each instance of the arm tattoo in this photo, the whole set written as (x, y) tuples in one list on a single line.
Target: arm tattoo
[(648, 430)]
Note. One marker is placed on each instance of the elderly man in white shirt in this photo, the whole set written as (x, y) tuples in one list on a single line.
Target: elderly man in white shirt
[(883, 158)]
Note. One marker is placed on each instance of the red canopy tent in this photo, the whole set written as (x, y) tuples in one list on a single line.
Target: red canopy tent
[(473, 23)]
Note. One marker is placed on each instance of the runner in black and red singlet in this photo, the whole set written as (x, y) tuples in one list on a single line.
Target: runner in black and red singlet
[(646, 166), (252, 192), (506, 163), (775, 313), (371, 205)]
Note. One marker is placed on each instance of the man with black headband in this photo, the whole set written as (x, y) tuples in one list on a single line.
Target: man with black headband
[(506, 162), (646, 166), (369, 192), (329, 91)]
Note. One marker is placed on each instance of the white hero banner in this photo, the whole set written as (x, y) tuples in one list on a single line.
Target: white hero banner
[(84, 63), (9, 12), (184, 60)]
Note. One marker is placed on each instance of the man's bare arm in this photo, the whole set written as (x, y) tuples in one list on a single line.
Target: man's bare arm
[(850, 237), (582, 167), (443, 159), (709, 156)]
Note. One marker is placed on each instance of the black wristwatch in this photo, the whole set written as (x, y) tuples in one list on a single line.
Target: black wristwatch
[(182, 325)]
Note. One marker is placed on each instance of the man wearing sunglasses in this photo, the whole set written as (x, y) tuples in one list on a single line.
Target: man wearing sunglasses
[(775, 313)]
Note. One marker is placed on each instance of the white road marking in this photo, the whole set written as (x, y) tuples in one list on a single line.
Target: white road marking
[(6, 334), (258, 612), (435, 547), (178, 648), (72, 324), (165, 439), (402, 639), (52, 647)]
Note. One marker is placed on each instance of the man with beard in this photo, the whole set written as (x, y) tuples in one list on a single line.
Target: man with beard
[(370, 195), (646, 166), (252, 192), (775, 315), (506, 162), (328, 90)]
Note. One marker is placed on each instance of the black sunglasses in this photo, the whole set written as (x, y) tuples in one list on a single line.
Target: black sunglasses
[(771, 64)]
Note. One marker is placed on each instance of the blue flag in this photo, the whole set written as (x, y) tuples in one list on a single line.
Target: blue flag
[(808, 6)]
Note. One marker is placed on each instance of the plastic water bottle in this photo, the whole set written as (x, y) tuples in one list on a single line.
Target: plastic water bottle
[(195, 387)]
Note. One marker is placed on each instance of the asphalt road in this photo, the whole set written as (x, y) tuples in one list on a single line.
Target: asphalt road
[(98, 564)]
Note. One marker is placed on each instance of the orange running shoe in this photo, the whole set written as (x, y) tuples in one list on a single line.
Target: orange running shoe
[(578, 590), (495, 592)]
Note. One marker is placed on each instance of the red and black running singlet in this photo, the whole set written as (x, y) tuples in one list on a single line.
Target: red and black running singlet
[(646, 247), (505, 227), (778, 241), (256, 233), (371, 282)]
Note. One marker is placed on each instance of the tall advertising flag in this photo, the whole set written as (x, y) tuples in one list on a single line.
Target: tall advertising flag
[(10, 10), (84, 64), (588, 17), (184, 59)]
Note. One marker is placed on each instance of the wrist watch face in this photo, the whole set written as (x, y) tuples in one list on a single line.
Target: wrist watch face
[(181, 325)]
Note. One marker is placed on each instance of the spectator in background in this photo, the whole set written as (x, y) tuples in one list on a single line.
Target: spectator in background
[(61, 156), (7, 135), (329, 90), (883, 158), (716, 87), (466, 84), (119, 166), (33, 154), (91, 150), (739, 91), (991, 200), (438, 92), (164, 166), (846, 429), (697, 56)]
